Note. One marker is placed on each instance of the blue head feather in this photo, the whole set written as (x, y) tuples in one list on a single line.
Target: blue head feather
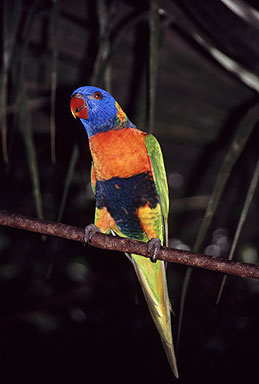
[(102, 113)]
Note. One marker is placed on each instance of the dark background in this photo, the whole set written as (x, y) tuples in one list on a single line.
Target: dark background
[(87, 320)]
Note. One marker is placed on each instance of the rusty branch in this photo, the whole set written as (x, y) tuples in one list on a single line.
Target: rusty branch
[(109, 242)]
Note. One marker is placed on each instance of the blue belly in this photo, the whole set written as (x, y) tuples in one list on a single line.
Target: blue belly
[(123, 196)]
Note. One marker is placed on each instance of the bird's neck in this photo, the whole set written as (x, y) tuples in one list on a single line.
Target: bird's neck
[(119, 121)]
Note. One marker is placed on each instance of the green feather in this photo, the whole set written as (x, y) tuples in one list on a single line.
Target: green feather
[(156, 157), (93, 182)]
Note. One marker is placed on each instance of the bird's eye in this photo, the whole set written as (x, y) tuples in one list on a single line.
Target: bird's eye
[(98, 95)]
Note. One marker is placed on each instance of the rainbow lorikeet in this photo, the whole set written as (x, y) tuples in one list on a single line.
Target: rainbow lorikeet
[(129, 181)]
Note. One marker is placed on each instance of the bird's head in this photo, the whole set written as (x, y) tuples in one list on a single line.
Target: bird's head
[(97, 109)]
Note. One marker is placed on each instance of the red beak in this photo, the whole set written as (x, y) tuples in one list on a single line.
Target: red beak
[(78, 107)]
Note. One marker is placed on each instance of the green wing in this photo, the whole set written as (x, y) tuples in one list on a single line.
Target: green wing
[(156, 157), (93, 180), (158, 167)]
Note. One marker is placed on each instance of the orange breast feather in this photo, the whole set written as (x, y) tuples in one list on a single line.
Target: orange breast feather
[(119, 153)]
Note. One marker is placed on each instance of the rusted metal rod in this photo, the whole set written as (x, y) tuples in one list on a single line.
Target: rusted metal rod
[(115, 243)]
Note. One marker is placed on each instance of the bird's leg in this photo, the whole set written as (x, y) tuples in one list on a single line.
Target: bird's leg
[(90, 230), (153, 246)]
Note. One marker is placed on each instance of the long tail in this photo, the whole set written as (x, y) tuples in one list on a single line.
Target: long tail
[(152, 278)]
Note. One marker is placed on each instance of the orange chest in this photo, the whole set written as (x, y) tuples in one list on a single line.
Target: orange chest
[(119, 153)]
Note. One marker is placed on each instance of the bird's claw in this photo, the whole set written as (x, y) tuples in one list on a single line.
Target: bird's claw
[(90, 230), (153, 246)]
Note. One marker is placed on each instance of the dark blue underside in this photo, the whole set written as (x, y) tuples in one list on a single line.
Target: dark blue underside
[(123, 196)]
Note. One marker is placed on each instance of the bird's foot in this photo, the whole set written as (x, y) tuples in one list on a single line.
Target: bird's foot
[(153, 246), (90, 230)]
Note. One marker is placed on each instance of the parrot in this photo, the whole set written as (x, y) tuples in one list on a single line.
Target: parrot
[(129, 181)]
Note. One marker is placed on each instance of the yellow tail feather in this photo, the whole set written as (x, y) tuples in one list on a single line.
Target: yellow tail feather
[(156, 295)]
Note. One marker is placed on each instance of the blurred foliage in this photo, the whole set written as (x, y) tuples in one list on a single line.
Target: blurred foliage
[(188, 71)]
